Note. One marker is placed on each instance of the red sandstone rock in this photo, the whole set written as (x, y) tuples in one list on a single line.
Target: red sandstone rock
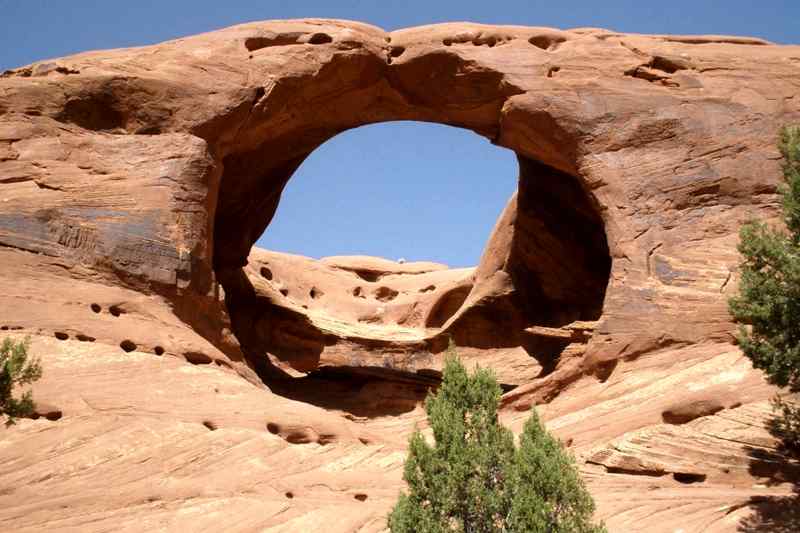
[(133, 184)]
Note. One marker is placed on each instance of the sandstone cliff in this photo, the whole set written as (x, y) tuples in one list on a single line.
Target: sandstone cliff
[(193, 382)]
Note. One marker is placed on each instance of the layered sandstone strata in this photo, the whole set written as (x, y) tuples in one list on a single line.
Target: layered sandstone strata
[(220, 385)]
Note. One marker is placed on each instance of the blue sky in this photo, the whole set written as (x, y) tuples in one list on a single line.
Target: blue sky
[(411, 190)]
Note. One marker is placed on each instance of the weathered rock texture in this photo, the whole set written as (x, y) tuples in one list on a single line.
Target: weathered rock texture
[(133, 184)]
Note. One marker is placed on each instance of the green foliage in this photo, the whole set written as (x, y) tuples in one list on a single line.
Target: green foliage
[(769, 293), (16, 370), (474, 479), (786, 425), (549, 495)]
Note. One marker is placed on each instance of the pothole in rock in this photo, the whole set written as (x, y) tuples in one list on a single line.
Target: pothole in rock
[(688, 477), (385, 294), (127, 345)]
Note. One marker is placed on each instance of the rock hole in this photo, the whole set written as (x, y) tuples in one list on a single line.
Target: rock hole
[(447, 42), (546, 42), (197, 358), (115, 310), (604, 370), (429, 288), (84, 338), (285, 292), (266, 273), (688, 478), (273, 428), (4, 328), (447, 305), (320, 38), (368, 275), (552, 71), (643, 72), (255, 43), (96, 112), (222, 363), (60, 335), (360, 497), (690, 410), (397, 51), (358, 292), (324, 439), (158, 350), (385, 294), (546, 349), (363, 440), (282, 39), (634, 471), (301, 436), (289, 495), (668, 64), (127, 345), (315, 293), (539, 42), (96, 308), (46, 411), (210, 425), (490, 42), (148, 130)]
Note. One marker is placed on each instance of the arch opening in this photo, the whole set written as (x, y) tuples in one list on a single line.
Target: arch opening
[(410, 190), (536, 290)]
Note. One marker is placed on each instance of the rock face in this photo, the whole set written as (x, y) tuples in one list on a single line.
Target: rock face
[(219, 385)]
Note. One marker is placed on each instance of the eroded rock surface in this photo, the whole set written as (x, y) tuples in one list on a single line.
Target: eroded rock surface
[(218, 384)]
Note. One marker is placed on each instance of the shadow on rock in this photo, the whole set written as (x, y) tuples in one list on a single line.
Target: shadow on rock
[(773, 514), (778, 467), (355, 391)]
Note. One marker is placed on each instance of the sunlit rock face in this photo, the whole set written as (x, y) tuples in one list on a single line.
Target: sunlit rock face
[(211, 379)]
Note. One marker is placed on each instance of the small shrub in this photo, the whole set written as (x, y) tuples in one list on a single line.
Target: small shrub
[(786, 425), (16, 370), (473, 479), (769, 293)]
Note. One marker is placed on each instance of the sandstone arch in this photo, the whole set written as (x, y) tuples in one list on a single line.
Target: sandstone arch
[(361, 87), (136, 180), (618, 124), (549, 250)]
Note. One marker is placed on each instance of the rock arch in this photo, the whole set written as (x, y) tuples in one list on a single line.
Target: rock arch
[(126, 182), (547, 263), (612, 131)]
